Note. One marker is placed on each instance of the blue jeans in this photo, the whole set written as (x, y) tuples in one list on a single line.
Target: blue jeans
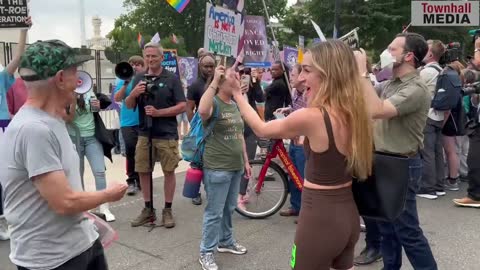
[(373, 238), (222, 189), (297, 155), (405, 231), (91, 147)]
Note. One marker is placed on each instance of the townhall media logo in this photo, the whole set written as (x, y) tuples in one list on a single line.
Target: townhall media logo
[(445, 13)]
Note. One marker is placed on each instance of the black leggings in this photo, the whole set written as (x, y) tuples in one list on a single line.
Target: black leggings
[(92, 259), (328, 229)]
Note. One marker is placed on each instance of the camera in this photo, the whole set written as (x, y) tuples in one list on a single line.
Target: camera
[(452, 53), (150, 84), (473, 88)]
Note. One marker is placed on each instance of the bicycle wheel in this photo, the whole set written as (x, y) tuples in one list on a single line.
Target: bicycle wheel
[(272, 195)]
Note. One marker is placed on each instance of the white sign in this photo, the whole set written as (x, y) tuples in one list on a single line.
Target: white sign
[(351, 38), (223, 30), (445, 13), (319, 31)]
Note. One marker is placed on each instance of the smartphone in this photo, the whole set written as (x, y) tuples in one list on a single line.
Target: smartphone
[(279, 115), (245, 80)]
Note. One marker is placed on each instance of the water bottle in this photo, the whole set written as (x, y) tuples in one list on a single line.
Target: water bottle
[(193, 181)]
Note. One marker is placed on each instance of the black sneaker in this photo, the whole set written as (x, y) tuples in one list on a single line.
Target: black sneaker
[(426, 194), (368, 256)]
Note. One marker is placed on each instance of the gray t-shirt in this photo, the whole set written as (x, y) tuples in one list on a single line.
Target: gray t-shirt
[(36, 143)]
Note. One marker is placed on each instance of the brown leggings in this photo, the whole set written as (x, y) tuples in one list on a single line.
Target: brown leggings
[(328, 229)]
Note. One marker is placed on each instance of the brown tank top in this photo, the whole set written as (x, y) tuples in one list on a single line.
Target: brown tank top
[(328, 168)]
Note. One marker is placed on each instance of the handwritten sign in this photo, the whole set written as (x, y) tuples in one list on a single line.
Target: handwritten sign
[(13, 13), (256, 46), (222, 31), (170, 62)]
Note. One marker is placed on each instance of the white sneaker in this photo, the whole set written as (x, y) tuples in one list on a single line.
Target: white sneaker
[(4, 231), (104, 209)]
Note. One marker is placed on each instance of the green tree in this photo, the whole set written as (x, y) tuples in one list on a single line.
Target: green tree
[(151, 16), (379, 21)]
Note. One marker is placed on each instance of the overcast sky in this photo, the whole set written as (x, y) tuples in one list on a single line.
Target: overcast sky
[(60, 19)]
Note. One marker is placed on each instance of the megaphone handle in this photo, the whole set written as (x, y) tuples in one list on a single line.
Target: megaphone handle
[(149, 121)]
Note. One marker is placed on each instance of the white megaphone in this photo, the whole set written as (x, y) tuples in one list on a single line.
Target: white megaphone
[(84, 83)]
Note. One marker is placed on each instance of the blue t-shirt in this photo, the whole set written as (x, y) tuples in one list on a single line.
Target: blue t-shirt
[(128, 117), (6, 81)]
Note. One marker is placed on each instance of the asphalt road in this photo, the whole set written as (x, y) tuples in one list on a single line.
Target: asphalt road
[(453, 234)]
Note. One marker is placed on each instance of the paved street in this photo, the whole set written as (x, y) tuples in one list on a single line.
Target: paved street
[(453, 234)]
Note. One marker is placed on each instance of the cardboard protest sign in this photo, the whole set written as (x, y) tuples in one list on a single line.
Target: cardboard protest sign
[(351, 39), (223, 30), (256, 47), (170, 61), (13, 13)]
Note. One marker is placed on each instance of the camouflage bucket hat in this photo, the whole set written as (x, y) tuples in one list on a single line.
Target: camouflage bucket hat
[(46, 58)]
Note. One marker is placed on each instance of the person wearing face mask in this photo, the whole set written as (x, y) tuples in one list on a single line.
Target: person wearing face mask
[(338, 144), (225, 162), (195, 92), (401, 105), (432, 154)]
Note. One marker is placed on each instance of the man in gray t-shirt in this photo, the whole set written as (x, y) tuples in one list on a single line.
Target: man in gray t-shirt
[(39, 170)]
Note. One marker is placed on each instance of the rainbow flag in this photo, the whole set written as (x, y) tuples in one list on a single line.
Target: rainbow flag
[(140, 41), (179, 5)]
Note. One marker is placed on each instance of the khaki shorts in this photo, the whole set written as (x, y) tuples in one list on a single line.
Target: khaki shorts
[(164, 151)]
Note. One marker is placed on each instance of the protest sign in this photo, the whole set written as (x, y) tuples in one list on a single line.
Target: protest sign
[(351, 39), (188, 67), (256, 47), (223, 29), (13, 13), (170, 61), (290, 56)]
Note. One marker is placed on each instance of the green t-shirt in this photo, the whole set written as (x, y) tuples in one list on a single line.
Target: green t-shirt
[(223, 148), (83, 120)]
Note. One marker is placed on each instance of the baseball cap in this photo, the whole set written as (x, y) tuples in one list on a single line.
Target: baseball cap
[(46, 58)]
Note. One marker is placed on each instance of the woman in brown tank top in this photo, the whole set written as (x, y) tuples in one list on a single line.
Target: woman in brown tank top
[(338, 145)]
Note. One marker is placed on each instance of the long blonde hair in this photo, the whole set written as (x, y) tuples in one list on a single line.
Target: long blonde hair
[(341, 91)]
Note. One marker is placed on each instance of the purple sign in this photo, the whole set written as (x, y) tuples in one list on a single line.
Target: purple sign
[(290, 56), (256, 48), (188, 67)]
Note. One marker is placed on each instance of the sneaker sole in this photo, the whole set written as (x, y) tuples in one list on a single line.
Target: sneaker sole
[(428, 196), (472, 205), (454, 189), (440, 193), (226, 250)]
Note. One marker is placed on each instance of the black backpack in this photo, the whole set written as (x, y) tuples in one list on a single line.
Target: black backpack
[(448, 90)]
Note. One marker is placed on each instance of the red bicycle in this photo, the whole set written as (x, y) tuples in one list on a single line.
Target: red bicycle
[(267, 189)]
